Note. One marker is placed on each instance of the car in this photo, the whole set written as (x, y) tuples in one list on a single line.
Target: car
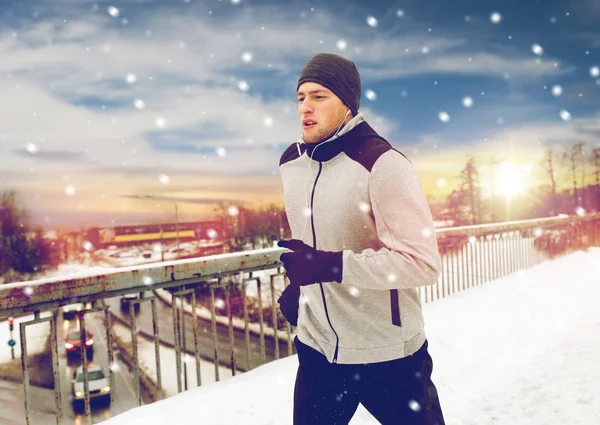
[(98, 384), (73, 342), (71, 311), (126, 299)]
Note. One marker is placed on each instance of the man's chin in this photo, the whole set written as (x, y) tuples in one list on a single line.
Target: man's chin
[(315, 138)]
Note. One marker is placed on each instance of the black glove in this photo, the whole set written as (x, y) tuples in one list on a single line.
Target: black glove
[(289, 302), (307, 265)]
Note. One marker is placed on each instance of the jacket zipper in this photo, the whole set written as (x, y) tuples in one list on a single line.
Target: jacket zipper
[(312, 222)]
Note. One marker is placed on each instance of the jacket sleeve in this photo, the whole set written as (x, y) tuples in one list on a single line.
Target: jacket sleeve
[(409, 256)]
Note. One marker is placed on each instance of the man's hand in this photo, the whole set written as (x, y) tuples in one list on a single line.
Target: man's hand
[(306, 265)]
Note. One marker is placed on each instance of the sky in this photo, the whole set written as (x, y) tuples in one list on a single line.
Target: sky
[(516, 350), (194, 101)]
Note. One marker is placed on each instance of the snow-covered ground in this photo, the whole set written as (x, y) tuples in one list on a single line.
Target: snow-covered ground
[(522, 350)]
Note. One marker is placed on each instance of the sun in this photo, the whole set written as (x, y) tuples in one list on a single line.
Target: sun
[(510, 180)]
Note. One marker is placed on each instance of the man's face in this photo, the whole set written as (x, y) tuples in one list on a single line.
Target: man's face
[(321, 112)]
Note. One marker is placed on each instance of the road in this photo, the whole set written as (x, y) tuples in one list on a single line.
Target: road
[(12, 411), (205, 338)]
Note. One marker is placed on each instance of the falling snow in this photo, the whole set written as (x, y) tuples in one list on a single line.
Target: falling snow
[(161, 122), (70, 190), (247, 57), (444, 117), (268, 121), (341, 44), (372, 21), (467, 101), (565, 115), (147, 280), (113, 11), (31, 148), (400, 13), (164, 179), (557, 90), (222, 152), (537, 49), (370, 94), (414, 405), (139, 104), (243, 86), (496, 18), (595, 71), (131, 78)]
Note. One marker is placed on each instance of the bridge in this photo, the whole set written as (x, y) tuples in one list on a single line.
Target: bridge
[(208, 319)]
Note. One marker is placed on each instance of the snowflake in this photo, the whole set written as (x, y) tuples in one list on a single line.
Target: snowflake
[(164, 179), (364, 207), (247, 57), (88, 246), (427, 233), (467, 101), (268, 121), (370, 94), (537, 232), (496, 18), (580, 211), (131, 78), (243, 86), (441, 183), (557, 90), (139, 104), (28, 291), (372, 21), (537, 49), (212, 233), (595, 72), (70, 190), (147, 280), (341, 44), (222, 152), (472, 239), (31, 148), (444, 117), (400, 13), (113, 11), (414, 405), (219, 303), (161, 122), (565, 115), (233, 211)]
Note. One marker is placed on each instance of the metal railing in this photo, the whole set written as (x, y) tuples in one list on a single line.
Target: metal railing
[(471, 256)]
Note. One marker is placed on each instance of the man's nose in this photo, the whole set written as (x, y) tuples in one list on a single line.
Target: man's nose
[(305, 106)]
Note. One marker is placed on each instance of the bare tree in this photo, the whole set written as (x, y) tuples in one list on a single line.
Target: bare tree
[(595, 160), (548, 165), (470, 184), (572, 156)]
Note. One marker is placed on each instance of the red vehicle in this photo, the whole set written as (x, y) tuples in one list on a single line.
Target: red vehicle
[(73, 342)]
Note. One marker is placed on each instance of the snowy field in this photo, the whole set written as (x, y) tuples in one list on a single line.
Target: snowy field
[(522, 350)]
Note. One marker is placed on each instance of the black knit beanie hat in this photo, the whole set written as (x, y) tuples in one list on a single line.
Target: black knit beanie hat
[(336, 73)]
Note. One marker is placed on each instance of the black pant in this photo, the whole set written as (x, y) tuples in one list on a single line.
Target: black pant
[(394, 392)]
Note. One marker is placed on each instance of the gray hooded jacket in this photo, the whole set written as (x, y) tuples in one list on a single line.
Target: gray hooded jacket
[(357, 194)]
